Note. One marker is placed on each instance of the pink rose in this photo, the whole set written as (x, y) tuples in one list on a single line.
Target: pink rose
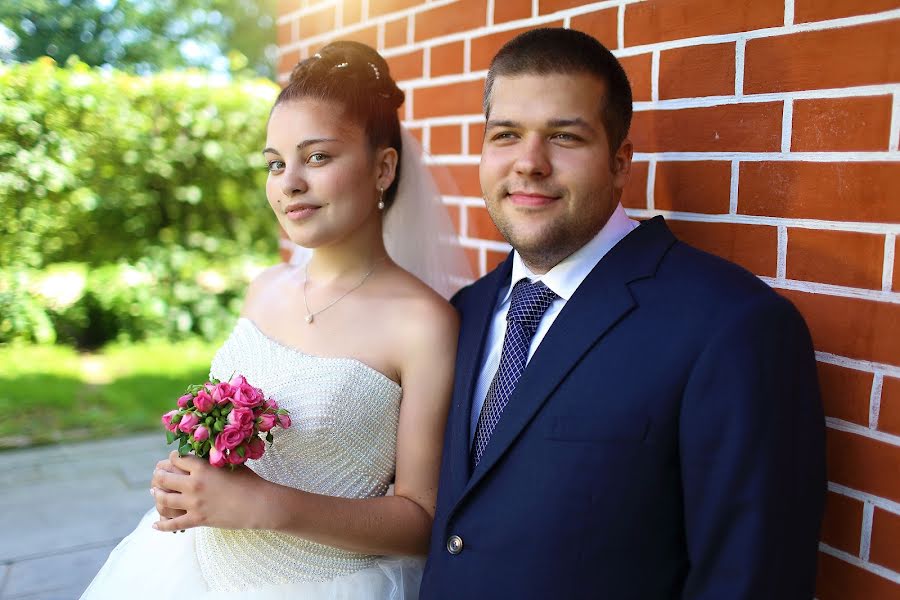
[(270, 403), (246, 397), (242, 418), (236, 459), (217, 457), (266, 422), (284, 421), (184, 400), (238, 381), (221, 394), (188, 422), (167, 420), (204, 401), (201, 433), (230, 438), (255, 448)]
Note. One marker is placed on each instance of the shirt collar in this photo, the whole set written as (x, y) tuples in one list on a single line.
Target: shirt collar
[(565, 277)]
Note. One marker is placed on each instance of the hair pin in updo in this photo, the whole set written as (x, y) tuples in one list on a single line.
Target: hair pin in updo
[(376, 71), (317, 55), (342, 65)]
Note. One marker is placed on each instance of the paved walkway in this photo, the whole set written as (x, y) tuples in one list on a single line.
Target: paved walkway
[(63, 508)]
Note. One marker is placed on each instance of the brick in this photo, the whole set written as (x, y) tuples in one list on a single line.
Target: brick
[(754, 247), (851, 327), (317, 23), (352, 12), (446, 139), (841, 124), (820, 10), (480, 225), (445, 100), (729, 128), (395, 32), (447, 59), (889, 415), (687, 186), (416, 132), (472, 255), (485, 47), (367, 36), (838, 580), (287, 6), (639, 70), (406, 66), (459, 16), (603, 25), (287, 61), (466, 180), (706, 70), (511, 10), (857, 191), (885, 550), (862, 463), (838, 257), (550, 6), (494, 258), (285, 34), (830, 58), (476, 137), (378, 8), (635, 193), (663, 20), (845, 393), (842, 522)]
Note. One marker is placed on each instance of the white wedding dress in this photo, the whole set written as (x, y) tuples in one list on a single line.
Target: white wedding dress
[(342, 443)]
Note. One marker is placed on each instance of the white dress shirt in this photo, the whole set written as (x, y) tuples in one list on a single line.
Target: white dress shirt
[(563, 279)]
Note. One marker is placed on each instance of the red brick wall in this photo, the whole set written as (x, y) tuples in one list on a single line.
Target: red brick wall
[(766, 131)]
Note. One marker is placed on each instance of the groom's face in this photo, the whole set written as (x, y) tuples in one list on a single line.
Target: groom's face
[(547, 174)]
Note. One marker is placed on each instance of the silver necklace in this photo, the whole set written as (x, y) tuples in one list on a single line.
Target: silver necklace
[(310, 315)]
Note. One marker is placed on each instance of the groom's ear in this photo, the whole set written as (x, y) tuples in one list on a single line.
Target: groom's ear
[(385, 167)]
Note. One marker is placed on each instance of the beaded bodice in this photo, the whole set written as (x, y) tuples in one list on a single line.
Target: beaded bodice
[(342, 443)]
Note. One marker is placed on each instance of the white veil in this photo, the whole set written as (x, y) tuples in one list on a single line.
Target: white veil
[(418, 233)]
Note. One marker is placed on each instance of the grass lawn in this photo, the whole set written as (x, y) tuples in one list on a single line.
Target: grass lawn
[(54, 393)]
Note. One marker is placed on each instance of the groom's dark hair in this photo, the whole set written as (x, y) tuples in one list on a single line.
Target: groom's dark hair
[(553, 51)]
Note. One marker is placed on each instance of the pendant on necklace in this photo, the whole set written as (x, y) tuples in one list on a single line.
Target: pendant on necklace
[(309, 319)]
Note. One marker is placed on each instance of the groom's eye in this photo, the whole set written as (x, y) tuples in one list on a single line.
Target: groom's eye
[(503, 135)]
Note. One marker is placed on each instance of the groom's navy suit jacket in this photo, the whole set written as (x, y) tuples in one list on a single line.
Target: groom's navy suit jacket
[(664, 441)]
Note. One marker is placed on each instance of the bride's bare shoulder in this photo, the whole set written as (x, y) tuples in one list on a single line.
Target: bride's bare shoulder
[(418, 313)]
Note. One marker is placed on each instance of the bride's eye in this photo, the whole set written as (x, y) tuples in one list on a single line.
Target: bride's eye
[(316, 158), (273, 166)]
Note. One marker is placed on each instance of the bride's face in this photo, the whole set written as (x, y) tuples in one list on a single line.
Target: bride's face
[(323, 177)]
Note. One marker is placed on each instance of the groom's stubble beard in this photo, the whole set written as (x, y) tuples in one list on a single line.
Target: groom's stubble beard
[(557, 238)]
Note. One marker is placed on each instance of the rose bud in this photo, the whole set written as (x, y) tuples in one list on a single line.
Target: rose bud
[(185, 400), (236, 459), (204, 401), (167, 420), (217, 457), (188, 422), (255, 448), (284, 421), (201, 433), (266, 422)]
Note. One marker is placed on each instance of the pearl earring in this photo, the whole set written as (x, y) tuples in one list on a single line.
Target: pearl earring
[(381, 198)]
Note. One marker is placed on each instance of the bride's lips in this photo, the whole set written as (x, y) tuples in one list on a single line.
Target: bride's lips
[(530, 199), (300, 211)]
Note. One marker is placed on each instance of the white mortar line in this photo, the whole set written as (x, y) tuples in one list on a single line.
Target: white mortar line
[(842, 157), (620, 26), (733, 187), (894, 138), (464, 138), (426, 63), (875, 399), (467, 55), (856, 561), (828, 289), (787, 122), (882, 503), (788, 12), (859, 365), (887, 275), (364, 11), (781, 270), (865, 539), (740, 50), (379, 36), (654, 77), (848, 427), (490, 12), (860, 227), (535, 8), (651, 184)]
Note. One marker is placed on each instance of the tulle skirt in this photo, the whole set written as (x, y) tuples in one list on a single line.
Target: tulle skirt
[(155, 565)]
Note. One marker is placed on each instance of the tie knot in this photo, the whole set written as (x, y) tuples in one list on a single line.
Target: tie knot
[(529, 302)]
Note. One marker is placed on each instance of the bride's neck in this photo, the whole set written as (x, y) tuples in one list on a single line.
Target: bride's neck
[(355, 254)]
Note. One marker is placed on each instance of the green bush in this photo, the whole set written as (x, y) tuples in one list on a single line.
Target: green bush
[(101, 166)]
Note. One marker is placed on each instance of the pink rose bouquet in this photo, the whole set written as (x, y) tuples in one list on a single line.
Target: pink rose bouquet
[(222, 421)]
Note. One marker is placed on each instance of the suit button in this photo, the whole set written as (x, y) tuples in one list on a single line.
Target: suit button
[(454, 544)]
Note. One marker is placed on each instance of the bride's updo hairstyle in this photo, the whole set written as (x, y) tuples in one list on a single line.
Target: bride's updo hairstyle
[(353, 76)]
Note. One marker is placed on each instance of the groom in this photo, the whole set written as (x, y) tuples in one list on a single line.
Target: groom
[(631, 417)]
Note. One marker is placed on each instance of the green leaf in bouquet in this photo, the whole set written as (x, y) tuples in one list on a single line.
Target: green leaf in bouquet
[(281, 411), (269, 437), (170, 437), (218, 426), (241, 452), (184, 450), (176, 418), (208, 421)]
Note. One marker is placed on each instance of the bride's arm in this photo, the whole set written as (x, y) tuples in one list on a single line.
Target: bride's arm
[(398, 524)]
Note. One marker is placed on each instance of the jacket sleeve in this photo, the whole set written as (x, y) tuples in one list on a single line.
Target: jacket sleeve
[(751, 441)]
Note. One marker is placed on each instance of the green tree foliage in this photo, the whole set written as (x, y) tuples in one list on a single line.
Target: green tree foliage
[(100, 166), (146, 35)]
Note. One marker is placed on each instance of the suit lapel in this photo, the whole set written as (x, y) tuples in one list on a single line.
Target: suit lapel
[(600, 302), (477, 311)]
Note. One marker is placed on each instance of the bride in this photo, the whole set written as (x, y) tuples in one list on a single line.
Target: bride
[(356, 347)]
